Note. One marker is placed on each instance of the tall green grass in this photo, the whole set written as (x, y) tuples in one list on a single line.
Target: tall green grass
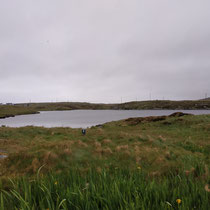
[(109, 189)]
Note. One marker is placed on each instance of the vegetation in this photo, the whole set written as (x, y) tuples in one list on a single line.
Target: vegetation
[(138, 163), (156, 104), (11, 111), (31, 108), (116, 189), (182, 105)]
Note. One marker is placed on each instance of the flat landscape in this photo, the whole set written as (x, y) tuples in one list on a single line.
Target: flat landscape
[(138, 163), (32, 108), (104, 105)]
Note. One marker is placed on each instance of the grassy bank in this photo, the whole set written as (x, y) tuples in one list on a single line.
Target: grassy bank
[(140, 163), (11, 111)]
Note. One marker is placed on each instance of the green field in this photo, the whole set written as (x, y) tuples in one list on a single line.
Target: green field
[(140, 163)]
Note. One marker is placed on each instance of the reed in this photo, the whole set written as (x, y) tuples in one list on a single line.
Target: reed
[(107, 189)]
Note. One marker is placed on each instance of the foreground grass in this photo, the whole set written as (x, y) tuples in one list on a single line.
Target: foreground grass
[(129, 164), (113, 189)]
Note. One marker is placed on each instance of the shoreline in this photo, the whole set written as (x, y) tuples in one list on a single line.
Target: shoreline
[(13, 115)]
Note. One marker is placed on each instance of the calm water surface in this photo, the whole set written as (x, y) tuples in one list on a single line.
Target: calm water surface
[(84, 118)]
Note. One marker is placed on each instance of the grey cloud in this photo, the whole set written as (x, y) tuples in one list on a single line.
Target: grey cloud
[(100, 51)]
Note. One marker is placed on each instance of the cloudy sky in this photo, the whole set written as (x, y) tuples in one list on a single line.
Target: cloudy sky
[(104, 50)]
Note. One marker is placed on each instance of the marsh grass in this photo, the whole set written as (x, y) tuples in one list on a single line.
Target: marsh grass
[(148, 165), (107, 189)]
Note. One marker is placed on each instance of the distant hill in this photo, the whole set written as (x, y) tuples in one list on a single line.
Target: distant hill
[(166, 104), (206, 99), (135, 105), (32, 108)]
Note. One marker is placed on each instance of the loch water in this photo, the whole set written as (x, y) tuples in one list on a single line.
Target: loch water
[(84, 118)]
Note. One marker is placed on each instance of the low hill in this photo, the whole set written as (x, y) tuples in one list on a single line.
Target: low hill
[(156, 104), (31, 108), (206, 99)]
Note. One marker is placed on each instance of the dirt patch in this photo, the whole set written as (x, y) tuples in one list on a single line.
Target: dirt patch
[(81, 144), (138, 120), (121, 147), (179, 114), (49, 157), (106, 141)]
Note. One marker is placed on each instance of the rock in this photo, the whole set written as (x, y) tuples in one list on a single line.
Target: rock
[(99, 126), (137, 120), (179, 114)]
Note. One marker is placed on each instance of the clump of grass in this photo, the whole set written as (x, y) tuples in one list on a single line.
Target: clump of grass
[(105, 189)]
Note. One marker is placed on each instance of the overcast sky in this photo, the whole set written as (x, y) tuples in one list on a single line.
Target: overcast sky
[(104, 50)]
